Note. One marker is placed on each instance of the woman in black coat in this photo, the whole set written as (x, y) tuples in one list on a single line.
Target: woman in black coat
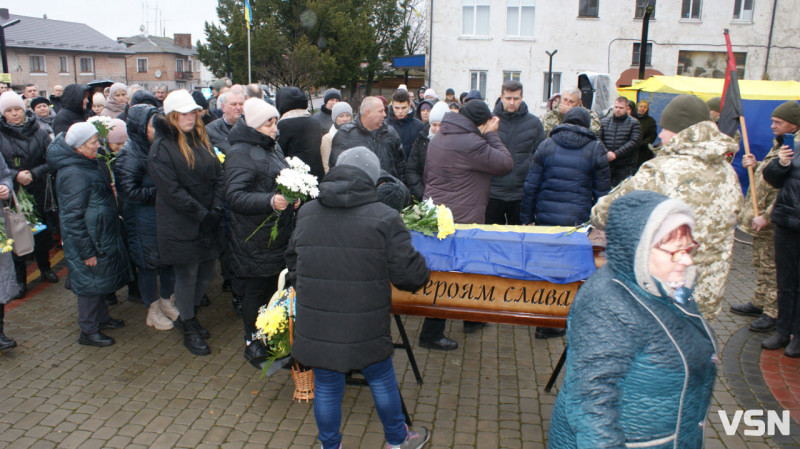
[(92, 234), (251, 166), (23, 144), (74, 103), (136, 191), (188, 179)]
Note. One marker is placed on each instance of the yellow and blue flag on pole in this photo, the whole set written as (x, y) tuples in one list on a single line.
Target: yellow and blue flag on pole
[(248, 13)]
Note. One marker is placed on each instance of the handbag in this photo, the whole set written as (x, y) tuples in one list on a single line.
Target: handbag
[(18, 229)]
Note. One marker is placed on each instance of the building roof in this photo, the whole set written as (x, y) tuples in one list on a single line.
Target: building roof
[(48, 34), (154, 44)]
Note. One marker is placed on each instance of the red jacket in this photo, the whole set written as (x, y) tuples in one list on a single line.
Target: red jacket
[(459, 167)]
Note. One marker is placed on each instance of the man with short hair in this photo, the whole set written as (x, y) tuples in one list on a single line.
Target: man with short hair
[(570, 98), (254, 91), (3, 87), (620, 133), (649, 131), (764, 304), (30, 91), (401, 118), (521, 132), (216, 91), (368, 129), (323, 116), (55, 97), (219, 129), (161, 93)]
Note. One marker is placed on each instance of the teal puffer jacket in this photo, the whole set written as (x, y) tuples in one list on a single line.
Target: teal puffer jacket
[(90, 226), (640, 366)]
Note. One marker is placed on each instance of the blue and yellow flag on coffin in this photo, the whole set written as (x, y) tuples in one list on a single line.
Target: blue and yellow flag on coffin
[(553, 253), (248, 13)]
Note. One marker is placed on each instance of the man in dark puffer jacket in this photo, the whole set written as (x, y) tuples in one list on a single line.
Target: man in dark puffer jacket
[(521, 132), (346, 252), (620, 133), (299, 134), (369, 130)]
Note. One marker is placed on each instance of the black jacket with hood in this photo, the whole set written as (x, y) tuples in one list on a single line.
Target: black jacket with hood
[(415, 165), (786, 211), (251, 166), (346, 252), (72, 110), (188, 200), (408, 128), (139, 97), (24, 147), (521, 133), (299, 136)]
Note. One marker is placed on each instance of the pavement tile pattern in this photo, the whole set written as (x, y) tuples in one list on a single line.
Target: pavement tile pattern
[(147, 391)]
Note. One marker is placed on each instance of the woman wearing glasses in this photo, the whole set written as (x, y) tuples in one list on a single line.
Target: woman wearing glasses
[(641, 360)]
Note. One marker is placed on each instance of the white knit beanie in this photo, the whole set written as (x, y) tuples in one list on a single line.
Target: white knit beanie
[(257, 112), (10, 99), (79, 133), (340, 108), (438, 111)]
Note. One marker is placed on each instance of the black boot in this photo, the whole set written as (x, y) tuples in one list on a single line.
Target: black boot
[(192, 339), (204, 334), (5, 342)]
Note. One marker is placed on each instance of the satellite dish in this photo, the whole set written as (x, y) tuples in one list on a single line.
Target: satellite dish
[(158, 73), (141, 28)]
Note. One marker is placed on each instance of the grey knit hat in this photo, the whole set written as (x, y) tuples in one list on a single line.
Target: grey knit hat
[(79, 133), (363, 158)]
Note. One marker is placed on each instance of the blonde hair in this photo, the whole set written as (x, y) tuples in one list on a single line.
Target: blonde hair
[(198, 135)]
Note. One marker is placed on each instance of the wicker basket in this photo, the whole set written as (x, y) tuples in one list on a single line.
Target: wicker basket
[(303, 378)]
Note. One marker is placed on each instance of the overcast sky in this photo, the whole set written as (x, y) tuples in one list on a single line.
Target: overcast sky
[(117, 18)]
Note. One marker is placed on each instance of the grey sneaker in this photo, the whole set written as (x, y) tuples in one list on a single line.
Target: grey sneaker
[(414, 439)]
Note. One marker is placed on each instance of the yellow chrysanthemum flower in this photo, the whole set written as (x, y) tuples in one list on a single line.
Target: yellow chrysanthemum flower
[(444, 221)]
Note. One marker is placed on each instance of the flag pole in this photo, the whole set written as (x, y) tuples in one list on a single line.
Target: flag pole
[(249, 71), (749, 169)]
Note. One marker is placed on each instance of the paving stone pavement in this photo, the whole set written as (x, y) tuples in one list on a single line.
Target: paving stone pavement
[(147, 391)]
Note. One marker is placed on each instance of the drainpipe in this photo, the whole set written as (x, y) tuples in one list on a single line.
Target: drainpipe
[(429, 63), (769, 40)]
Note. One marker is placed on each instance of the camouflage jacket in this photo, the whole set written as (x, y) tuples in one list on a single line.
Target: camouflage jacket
[(765, 194), (691, 168), (555, 118)]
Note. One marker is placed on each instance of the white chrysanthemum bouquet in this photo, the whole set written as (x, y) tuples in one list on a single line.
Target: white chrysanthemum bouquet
[(429, 219), (294, 183)]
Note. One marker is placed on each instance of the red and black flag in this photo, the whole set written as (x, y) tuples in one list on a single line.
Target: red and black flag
[(731, 106)]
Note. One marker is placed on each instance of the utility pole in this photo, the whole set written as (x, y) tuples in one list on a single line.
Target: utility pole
[(3, 42), (550, 73), (648, 11)]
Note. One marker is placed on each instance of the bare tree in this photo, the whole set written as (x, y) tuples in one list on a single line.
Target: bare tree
[(415, 19)]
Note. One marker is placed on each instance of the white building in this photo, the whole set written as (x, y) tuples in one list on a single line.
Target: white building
[(477, 44)]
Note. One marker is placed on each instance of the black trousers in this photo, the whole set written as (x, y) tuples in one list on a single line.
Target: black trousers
[(620, 172), (92, 310), (787, 265), (503, 212), (42, 242), (257, 293)]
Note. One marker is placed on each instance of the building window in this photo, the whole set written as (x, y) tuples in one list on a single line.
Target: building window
[(637, 47), (709, 64), (556, 85), (510, 75), (475, 17), (37, 64), (141, 65), (519, 17), (478, 81), (63, 65), (87, 65), (691, 9), (179, 65), (189, 64), (589, 8), (641, 5), (743, 10)]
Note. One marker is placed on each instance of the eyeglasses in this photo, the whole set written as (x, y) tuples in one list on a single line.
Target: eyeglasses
[(678, 254)]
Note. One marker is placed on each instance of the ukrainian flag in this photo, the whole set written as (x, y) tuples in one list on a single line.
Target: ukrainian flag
[(248, 13)]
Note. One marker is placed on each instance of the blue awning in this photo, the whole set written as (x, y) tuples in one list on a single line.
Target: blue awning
[(409, 62)]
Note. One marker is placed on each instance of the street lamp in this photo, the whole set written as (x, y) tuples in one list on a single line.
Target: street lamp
[(550, 73), (3, 42), (228, 62), (648, 11)]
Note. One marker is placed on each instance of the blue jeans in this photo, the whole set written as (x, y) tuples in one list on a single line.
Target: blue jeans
[(148, 283), (329, 389)]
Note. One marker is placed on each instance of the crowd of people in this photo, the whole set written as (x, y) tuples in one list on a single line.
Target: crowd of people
[(183, 188)]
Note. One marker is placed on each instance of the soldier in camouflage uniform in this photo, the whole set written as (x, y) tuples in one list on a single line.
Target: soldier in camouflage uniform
[(765, 297), (690, 167), (570, 98)]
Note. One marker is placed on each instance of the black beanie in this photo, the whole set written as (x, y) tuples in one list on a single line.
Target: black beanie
[(200, 99), (684, 111), (331, 94), (578, 116), (36, 101), (789, 111), (477, 112)]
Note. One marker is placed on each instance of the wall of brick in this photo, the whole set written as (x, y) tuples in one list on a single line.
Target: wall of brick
[(106, 66)]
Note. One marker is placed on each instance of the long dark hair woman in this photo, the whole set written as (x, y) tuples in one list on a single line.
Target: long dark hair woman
[(189, 192), (253, 162)]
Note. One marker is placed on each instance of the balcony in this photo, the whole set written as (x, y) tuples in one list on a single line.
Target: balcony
[(183, 75)]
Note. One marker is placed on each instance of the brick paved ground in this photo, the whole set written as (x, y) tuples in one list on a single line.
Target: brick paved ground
[(148, 391)]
